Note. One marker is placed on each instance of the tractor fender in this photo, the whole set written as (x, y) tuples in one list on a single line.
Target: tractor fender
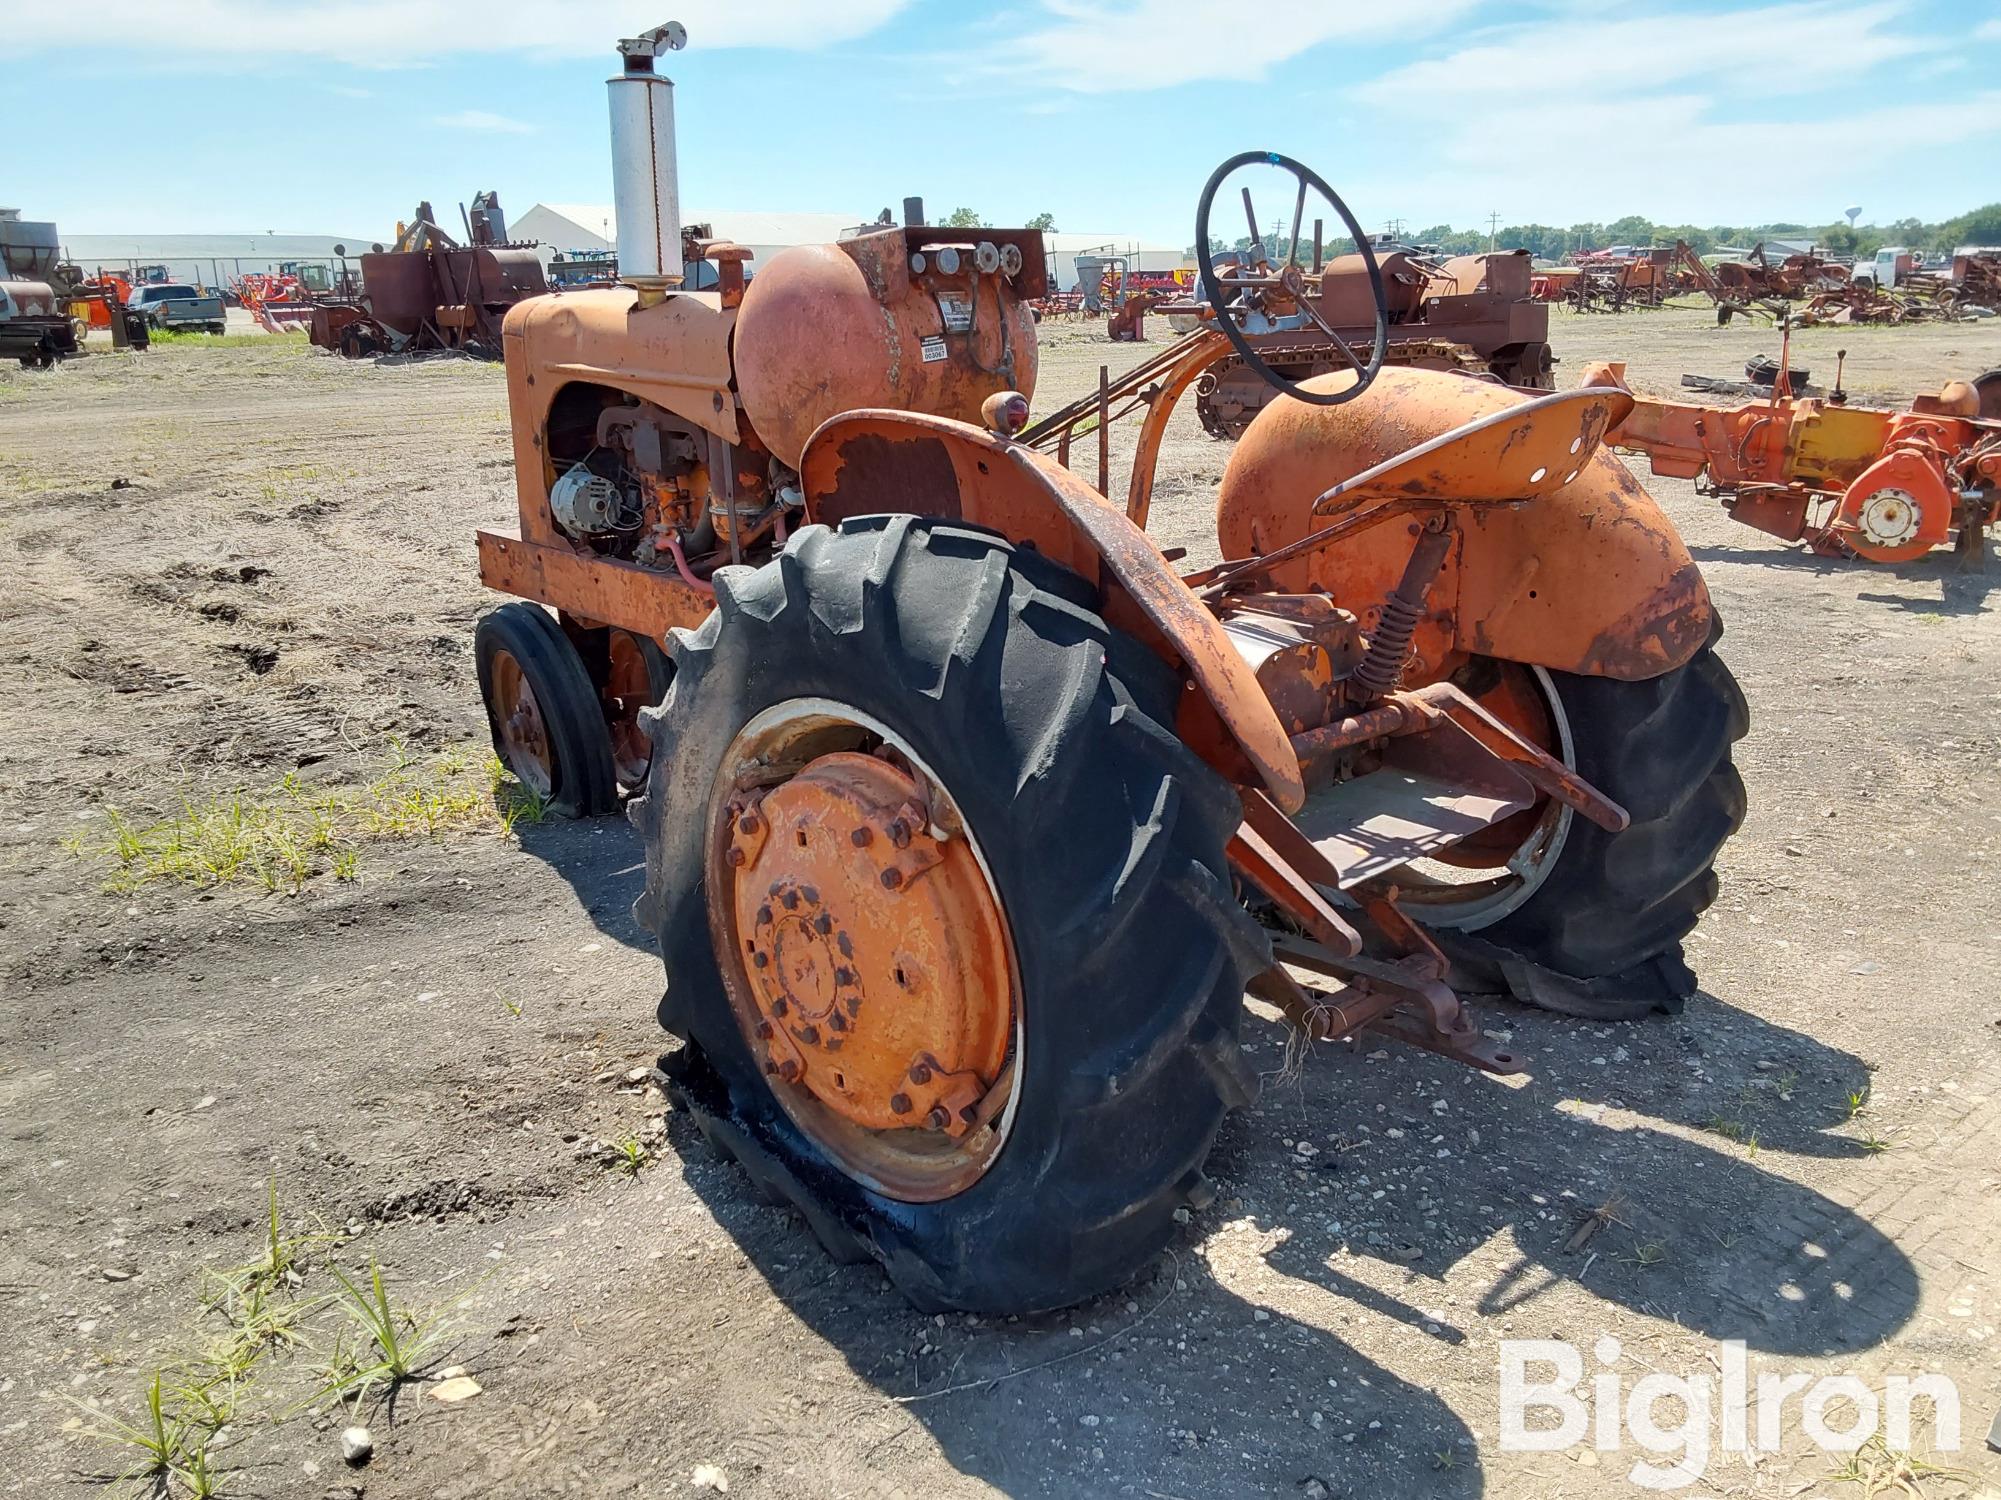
[(1590, 577), (876, 461)]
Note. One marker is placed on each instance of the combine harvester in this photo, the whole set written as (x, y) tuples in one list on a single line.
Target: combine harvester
[(969, 822)]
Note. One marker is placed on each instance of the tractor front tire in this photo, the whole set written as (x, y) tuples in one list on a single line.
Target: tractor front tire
[(1102, 839), (543, 711)]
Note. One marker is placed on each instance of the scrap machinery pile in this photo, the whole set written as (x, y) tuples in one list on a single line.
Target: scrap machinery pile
[(1470, 313), (1886, 487), (1794, 277), (428, 292), (1612, 282)]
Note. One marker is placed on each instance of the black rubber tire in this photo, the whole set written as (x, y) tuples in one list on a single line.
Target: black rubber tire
[(1988, 387), (593, 648), (1608, 922), (1105, 838), (582, 781)]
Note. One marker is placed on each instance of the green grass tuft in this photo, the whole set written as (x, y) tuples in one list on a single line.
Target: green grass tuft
[(281, 838)]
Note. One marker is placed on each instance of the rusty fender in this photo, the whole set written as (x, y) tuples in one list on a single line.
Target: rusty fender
[(872, 462), (1590, 577)]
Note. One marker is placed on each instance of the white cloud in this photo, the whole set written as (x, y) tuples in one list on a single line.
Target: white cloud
[(400, 33), (1680, 160), (1590, 111), (1588, 55), (1121, 46), (486, 120), (1989, 31)]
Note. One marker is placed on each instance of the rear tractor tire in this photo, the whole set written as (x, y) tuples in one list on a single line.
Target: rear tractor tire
[(1594, 921), (543, 712), (948, 931)]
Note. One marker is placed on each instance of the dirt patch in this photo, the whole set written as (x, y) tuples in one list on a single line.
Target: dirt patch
[(443, 1058)]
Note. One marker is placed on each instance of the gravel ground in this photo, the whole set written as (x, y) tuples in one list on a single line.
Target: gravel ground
[(231, 565)]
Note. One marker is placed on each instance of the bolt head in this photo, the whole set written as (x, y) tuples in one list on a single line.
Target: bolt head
[(747, 823), (734, 856), (789, 1070), (810, 1035), (892, 877), (919, 1073), (764, 1031), (861, 838), (779, 1005), (939, 1117), (899, 1104)]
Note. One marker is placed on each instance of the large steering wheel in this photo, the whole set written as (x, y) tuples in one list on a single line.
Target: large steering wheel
[(1224, 291)]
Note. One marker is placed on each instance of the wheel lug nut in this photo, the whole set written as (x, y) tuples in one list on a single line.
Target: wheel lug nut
[(861, 838), (810, 1035), (759, 960), (939, 1118), (764, 1030), (899, 1104), (823, 924), (837, 1021), (788, 1070), (734, 856), (779, 1006), (747, 823), (892, 877), (919, 1073), (899, 834)]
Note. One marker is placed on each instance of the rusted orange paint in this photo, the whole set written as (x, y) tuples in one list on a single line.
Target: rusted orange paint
[(602, 589), (1195, 356), (1776, 462), (675, 353), (1589, 577), (873, 952), (825, 329), (869, 462)]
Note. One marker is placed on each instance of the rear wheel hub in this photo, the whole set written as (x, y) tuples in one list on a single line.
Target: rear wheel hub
[(869, 961)]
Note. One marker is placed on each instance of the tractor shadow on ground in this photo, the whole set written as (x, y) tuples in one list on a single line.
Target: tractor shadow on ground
[(604, 861), (1962, 590), (1689, 1229), (1174, 1385)]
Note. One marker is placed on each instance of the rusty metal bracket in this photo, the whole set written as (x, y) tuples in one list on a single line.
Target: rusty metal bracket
[(1271, 852)]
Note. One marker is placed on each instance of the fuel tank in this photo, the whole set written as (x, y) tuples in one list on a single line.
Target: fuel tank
[(915, 319)]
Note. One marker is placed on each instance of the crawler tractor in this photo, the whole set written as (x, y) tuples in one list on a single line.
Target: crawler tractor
[(970, 821)]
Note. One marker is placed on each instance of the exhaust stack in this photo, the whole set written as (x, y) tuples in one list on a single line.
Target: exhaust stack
[(645, 183)]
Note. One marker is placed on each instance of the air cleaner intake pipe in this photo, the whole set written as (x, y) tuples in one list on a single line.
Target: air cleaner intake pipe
[(645, 182)]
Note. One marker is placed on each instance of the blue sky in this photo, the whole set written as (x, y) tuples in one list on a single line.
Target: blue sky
[(257, 114)]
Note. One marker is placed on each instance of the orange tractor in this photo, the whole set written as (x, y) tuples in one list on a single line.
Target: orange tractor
[(969, 821), (1886, 487)]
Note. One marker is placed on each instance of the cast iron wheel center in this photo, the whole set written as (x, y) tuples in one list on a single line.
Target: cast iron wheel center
[(870, 967), (627, 689), (523, 734)]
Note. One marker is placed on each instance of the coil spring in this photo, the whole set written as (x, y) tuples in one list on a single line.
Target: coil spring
[(1389, 647)]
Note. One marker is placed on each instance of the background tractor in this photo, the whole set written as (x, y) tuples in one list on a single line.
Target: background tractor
[(969, 822)]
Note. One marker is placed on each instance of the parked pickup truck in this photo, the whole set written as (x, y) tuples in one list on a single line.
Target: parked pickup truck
[(173, 305)]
